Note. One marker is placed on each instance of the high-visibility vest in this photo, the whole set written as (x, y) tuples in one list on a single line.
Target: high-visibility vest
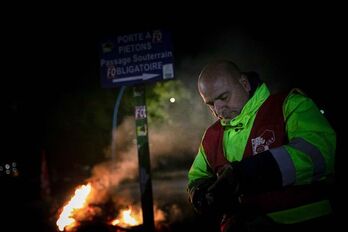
[(268, 131)]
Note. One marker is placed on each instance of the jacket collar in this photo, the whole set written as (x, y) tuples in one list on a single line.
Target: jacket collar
[(250, 108)]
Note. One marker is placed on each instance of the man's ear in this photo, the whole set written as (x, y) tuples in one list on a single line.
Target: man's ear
[(243, 80)]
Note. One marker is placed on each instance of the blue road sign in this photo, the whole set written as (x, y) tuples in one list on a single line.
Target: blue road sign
[(136, 58)]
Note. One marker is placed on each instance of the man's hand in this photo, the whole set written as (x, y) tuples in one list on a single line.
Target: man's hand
[(198, 195), (224, 193), (219, 194), (227, 179)]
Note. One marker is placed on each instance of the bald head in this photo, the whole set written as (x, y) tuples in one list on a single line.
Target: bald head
[(221, 68), (223, 88)]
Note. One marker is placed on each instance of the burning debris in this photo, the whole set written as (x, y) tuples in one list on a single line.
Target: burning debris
[(128, 218), (80, 212), (66, 219)]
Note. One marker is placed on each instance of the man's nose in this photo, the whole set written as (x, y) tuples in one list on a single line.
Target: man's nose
[(218, 105)]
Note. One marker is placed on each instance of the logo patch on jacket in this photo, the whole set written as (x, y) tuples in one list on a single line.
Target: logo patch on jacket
[(262, 142)]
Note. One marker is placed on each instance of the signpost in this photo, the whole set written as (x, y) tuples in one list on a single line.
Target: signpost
[(136, 59)]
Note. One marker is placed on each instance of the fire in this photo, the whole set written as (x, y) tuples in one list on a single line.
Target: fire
[(78, 201), (128, 217), (133, 217), (78, 209)]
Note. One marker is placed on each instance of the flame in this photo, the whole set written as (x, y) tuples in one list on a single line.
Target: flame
[(70, 217), (128, 218), (78, 201), (133, 217)]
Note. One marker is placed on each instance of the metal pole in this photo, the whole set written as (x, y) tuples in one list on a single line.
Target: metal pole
[(114, 123), (144, 158)]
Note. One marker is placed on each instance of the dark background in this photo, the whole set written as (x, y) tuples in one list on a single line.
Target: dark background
[(53, 52), (49, 52)]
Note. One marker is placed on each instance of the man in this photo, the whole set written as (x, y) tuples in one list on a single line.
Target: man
[(265, 164)]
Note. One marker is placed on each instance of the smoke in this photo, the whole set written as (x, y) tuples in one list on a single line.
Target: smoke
[(108, 175), (173, 143)]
